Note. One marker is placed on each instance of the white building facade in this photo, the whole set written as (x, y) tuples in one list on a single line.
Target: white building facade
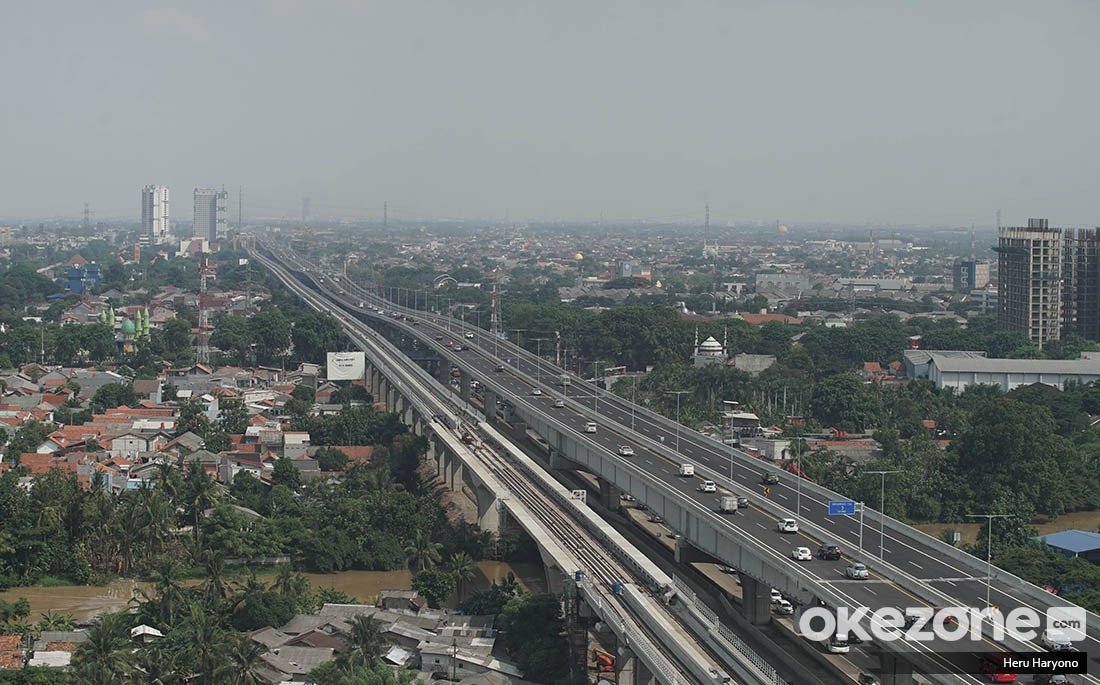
[(155, 217)]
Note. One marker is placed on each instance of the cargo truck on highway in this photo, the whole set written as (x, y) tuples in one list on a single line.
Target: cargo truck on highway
[(727, 504)]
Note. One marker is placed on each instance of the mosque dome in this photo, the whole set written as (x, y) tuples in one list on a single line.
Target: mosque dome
[(128, 327), (711, 346)]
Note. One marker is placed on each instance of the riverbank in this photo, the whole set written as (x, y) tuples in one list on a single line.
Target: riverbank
[(84, 602)]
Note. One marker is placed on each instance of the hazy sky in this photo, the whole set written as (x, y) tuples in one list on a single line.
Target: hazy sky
[(866, 112)]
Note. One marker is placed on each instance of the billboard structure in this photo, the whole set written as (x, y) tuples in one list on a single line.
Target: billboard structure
[(346, 366)]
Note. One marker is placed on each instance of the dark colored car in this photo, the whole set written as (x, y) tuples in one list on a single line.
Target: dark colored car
[(770, 478), (829, 552)]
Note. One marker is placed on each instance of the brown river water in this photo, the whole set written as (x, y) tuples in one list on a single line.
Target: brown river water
[(86, 601)]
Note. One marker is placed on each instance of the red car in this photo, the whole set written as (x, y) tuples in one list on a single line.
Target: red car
[(990, 670)]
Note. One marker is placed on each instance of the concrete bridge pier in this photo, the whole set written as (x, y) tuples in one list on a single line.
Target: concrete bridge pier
[(609, 493), (464, 386), (490, 406), (443, 372), (489, 509), (642, 675), (626, 665), (756, 601), (894, 669), (559, 461), (555, 575)]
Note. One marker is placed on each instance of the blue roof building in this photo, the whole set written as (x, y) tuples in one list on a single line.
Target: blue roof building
[(1075, 543)]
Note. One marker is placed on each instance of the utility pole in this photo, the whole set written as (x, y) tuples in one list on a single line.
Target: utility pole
[(538, 364)]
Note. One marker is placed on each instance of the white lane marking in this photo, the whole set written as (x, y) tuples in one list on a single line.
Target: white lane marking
[(830, 521), (780, 495), (917, 565), (761, 526)]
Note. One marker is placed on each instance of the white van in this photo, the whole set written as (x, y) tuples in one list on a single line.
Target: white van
[(590, 427), (687, 470), (839, 644)]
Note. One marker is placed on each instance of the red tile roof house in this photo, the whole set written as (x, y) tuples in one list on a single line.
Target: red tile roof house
[(11, 652)]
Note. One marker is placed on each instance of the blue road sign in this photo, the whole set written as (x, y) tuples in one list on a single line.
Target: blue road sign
[(842, 508)]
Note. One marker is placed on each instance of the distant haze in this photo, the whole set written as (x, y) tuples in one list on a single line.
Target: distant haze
[(866, 112)]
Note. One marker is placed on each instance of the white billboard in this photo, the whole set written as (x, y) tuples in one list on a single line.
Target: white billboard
[(346, 366)]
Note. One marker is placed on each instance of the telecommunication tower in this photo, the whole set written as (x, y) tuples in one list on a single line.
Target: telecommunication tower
[(207, 270)]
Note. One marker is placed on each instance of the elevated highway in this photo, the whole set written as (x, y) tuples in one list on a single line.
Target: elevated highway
[(628, 592), (910, 569)]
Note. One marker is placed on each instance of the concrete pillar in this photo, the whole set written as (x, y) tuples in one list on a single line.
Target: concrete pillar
[(375, 383), (519, 430), (625, 665), (443, 373), (642, 675), (894, 669), (464, 386), (609, 494), (488, 510), (756, 601), (490, 403)]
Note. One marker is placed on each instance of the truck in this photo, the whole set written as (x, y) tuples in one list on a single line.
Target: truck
[(727, 504), (564, 380), (687, 470)]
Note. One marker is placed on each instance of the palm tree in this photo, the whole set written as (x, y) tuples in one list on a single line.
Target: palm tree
[(289, 583), (52, 621), (462, 566), (367, 640), (106, 651), (422, 554), (244, 653), (171, 596)]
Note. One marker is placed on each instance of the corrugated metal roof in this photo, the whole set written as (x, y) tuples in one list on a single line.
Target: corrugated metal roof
[(1076, 541), (981, 364)]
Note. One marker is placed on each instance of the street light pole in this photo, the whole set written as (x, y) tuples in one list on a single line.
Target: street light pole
[(731, 404), (989, 548), (882, 510), (677, 393), (633, 392), (596, 388), (538, 362)]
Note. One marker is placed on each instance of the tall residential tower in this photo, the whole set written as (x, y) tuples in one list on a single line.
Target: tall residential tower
[(1029, 272), (210, 213), (155, 225)]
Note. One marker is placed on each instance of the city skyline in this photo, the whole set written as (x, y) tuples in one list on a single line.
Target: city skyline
[(890, 115)]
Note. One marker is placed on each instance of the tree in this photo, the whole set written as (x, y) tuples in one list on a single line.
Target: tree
[(113, 395), (330, 459), (315, 334), (106, 653), (435, 585), (367, 640), (285, 473), (533, 627), (422, 553), (462, 568), (844, 401)]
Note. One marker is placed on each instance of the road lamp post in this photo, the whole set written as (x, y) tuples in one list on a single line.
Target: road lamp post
[(731, 404), (989, 548), (596, 388), (538, 362), (881, 512), (633, 392), (677, 393)]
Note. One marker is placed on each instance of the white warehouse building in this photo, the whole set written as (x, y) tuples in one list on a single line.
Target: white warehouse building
[(948, 371)]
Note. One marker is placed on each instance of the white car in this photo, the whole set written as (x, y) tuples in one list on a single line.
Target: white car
[(777, 596), (559, 404), (786, 526), (783, 608), (626, 451), (708, 486), (590, 427), (536, 391), (857, 571), (469, 335), (802, 554)]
